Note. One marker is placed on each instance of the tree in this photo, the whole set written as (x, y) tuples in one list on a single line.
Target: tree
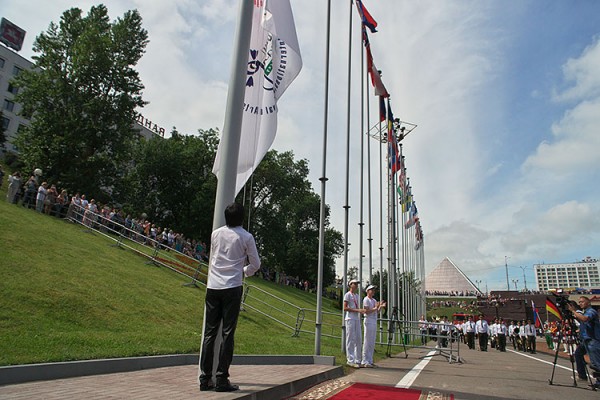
[(285, 215), (172, 182), (81, 95)]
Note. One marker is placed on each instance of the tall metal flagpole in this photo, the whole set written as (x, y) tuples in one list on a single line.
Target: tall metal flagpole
[(361, 224), (347, 206), (230, 141), (366, 134), (323, 180), (381, 230)]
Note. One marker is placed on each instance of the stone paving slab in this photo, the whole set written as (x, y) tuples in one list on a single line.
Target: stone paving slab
[(179, 382)]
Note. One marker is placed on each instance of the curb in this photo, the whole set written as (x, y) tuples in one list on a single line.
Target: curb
[(13, 374)]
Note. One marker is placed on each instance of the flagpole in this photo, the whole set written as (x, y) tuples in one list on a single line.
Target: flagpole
[(323, 180), (347, 206), (361, 224), (230, 141), (381, 231)]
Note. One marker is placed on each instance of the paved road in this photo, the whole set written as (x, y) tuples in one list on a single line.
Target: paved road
[(490, 375)]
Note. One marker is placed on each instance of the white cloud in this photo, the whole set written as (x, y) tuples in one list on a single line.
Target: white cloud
[(583, 73), (564, 225)]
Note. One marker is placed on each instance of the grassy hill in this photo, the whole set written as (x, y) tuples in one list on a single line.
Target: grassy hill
[(67, 294)]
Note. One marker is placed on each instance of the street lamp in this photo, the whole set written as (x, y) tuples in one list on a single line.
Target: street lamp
[(524, 279), (506, 266), (515, 282), (478, 282)]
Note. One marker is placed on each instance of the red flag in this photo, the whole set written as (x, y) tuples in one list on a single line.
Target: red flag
[(366, 17)]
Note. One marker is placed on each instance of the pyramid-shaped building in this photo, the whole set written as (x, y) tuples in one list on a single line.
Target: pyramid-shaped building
[(448, 278)]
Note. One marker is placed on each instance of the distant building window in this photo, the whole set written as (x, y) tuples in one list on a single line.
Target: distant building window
[(17, 70), (2, 62), (9, 105), (5, 123), (12, 89)]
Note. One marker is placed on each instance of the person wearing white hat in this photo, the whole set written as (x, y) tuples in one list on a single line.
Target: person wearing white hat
[(352, 321), (371, 307)]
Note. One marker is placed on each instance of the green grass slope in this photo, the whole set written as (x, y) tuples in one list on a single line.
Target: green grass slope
[(66, 294)]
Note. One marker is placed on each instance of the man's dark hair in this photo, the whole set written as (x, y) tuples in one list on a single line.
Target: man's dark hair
[(234, 215)]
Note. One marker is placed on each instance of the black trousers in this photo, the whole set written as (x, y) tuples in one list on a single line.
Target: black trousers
[(471, 339), (531, 344), (483, 341), (501, 342), (221, 305)]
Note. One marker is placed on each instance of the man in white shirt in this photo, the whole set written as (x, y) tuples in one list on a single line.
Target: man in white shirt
[(352, 321), (444, 331), (493, 334), (501, 331), (530, 333), (423, 327), (482, 330), (469, 328), (371, 307), (230, 247)]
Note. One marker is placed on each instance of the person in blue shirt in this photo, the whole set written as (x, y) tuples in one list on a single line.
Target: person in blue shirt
[(589, 334)]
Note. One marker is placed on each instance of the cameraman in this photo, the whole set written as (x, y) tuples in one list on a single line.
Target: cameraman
[(589, 333)]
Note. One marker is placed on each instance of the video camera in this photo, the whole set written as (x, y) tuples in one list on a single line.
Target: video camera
[(562, 302)]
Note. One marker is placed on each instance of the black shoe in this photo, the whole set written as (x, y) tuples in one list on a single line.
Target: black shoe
[(226, 387), (206, 385)]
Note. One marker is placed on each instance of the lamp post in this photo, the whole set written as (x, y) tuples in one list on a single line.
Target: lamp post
[(515, 282), (524, 279), (478, 282), (506, 266)]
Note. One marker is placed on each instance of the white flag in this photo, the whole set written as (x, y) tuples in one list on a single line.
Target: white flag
[(274, 61)]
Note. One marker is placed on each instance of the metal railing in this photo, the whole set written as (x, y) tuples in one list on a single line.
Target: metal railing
[(155, 251)]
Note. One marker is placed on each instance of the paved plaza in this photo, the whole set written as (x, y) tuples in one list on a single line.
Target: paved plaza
[(480, 375)]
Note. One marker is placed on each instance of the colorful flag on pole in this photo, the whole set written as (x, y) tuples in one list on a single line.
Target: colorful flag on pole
[(413, 216), (551, 307), (536, 316), (274, 61), (365, 16), (382, 113), (418, 236), (394, 156), (372, 70)]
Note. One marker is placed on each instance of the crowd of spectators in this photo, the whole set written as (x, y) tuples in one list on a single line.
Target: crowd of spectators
[(454, 293), (49, 200)]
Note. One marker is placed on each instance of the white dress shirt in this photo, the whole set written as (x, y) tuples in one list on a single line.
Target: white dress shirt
[(230, 247)]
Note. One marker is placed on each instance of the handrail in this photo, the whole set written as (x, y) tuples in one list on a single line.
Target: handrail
[(78, 215)]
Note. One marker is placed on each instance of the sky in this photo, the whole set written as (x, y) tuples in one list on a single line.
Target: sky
[(505, 94)]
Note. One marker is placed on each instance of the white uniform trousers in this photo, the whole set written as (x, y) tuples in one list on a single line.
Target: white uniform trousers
[(369, 343), (353, 338)]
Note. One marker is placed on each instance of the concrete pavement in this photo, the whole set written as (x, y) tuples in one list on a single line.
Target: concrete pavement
[(488, 375)]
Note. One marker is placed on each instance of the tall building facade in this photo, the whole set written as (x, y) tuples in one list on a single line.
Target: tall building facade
[(11, 65), (583, 274)]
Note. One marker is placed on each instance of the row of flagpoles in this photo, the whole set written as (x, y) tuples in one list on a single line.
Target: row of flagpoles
[(266, 60), (405, 242)]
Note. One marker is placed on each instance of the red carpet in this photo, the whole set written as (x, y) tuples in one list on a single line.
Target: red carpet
[(371, 392)]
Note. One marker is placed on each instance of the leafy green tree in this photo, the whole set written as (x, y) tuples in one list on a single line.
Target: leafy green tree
[(284, 217), (82, 93), (172, 182)]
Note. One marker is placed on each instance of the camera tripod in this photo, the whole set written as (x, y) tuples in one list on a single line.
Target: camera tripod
[(394, 324), (567, 323)]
